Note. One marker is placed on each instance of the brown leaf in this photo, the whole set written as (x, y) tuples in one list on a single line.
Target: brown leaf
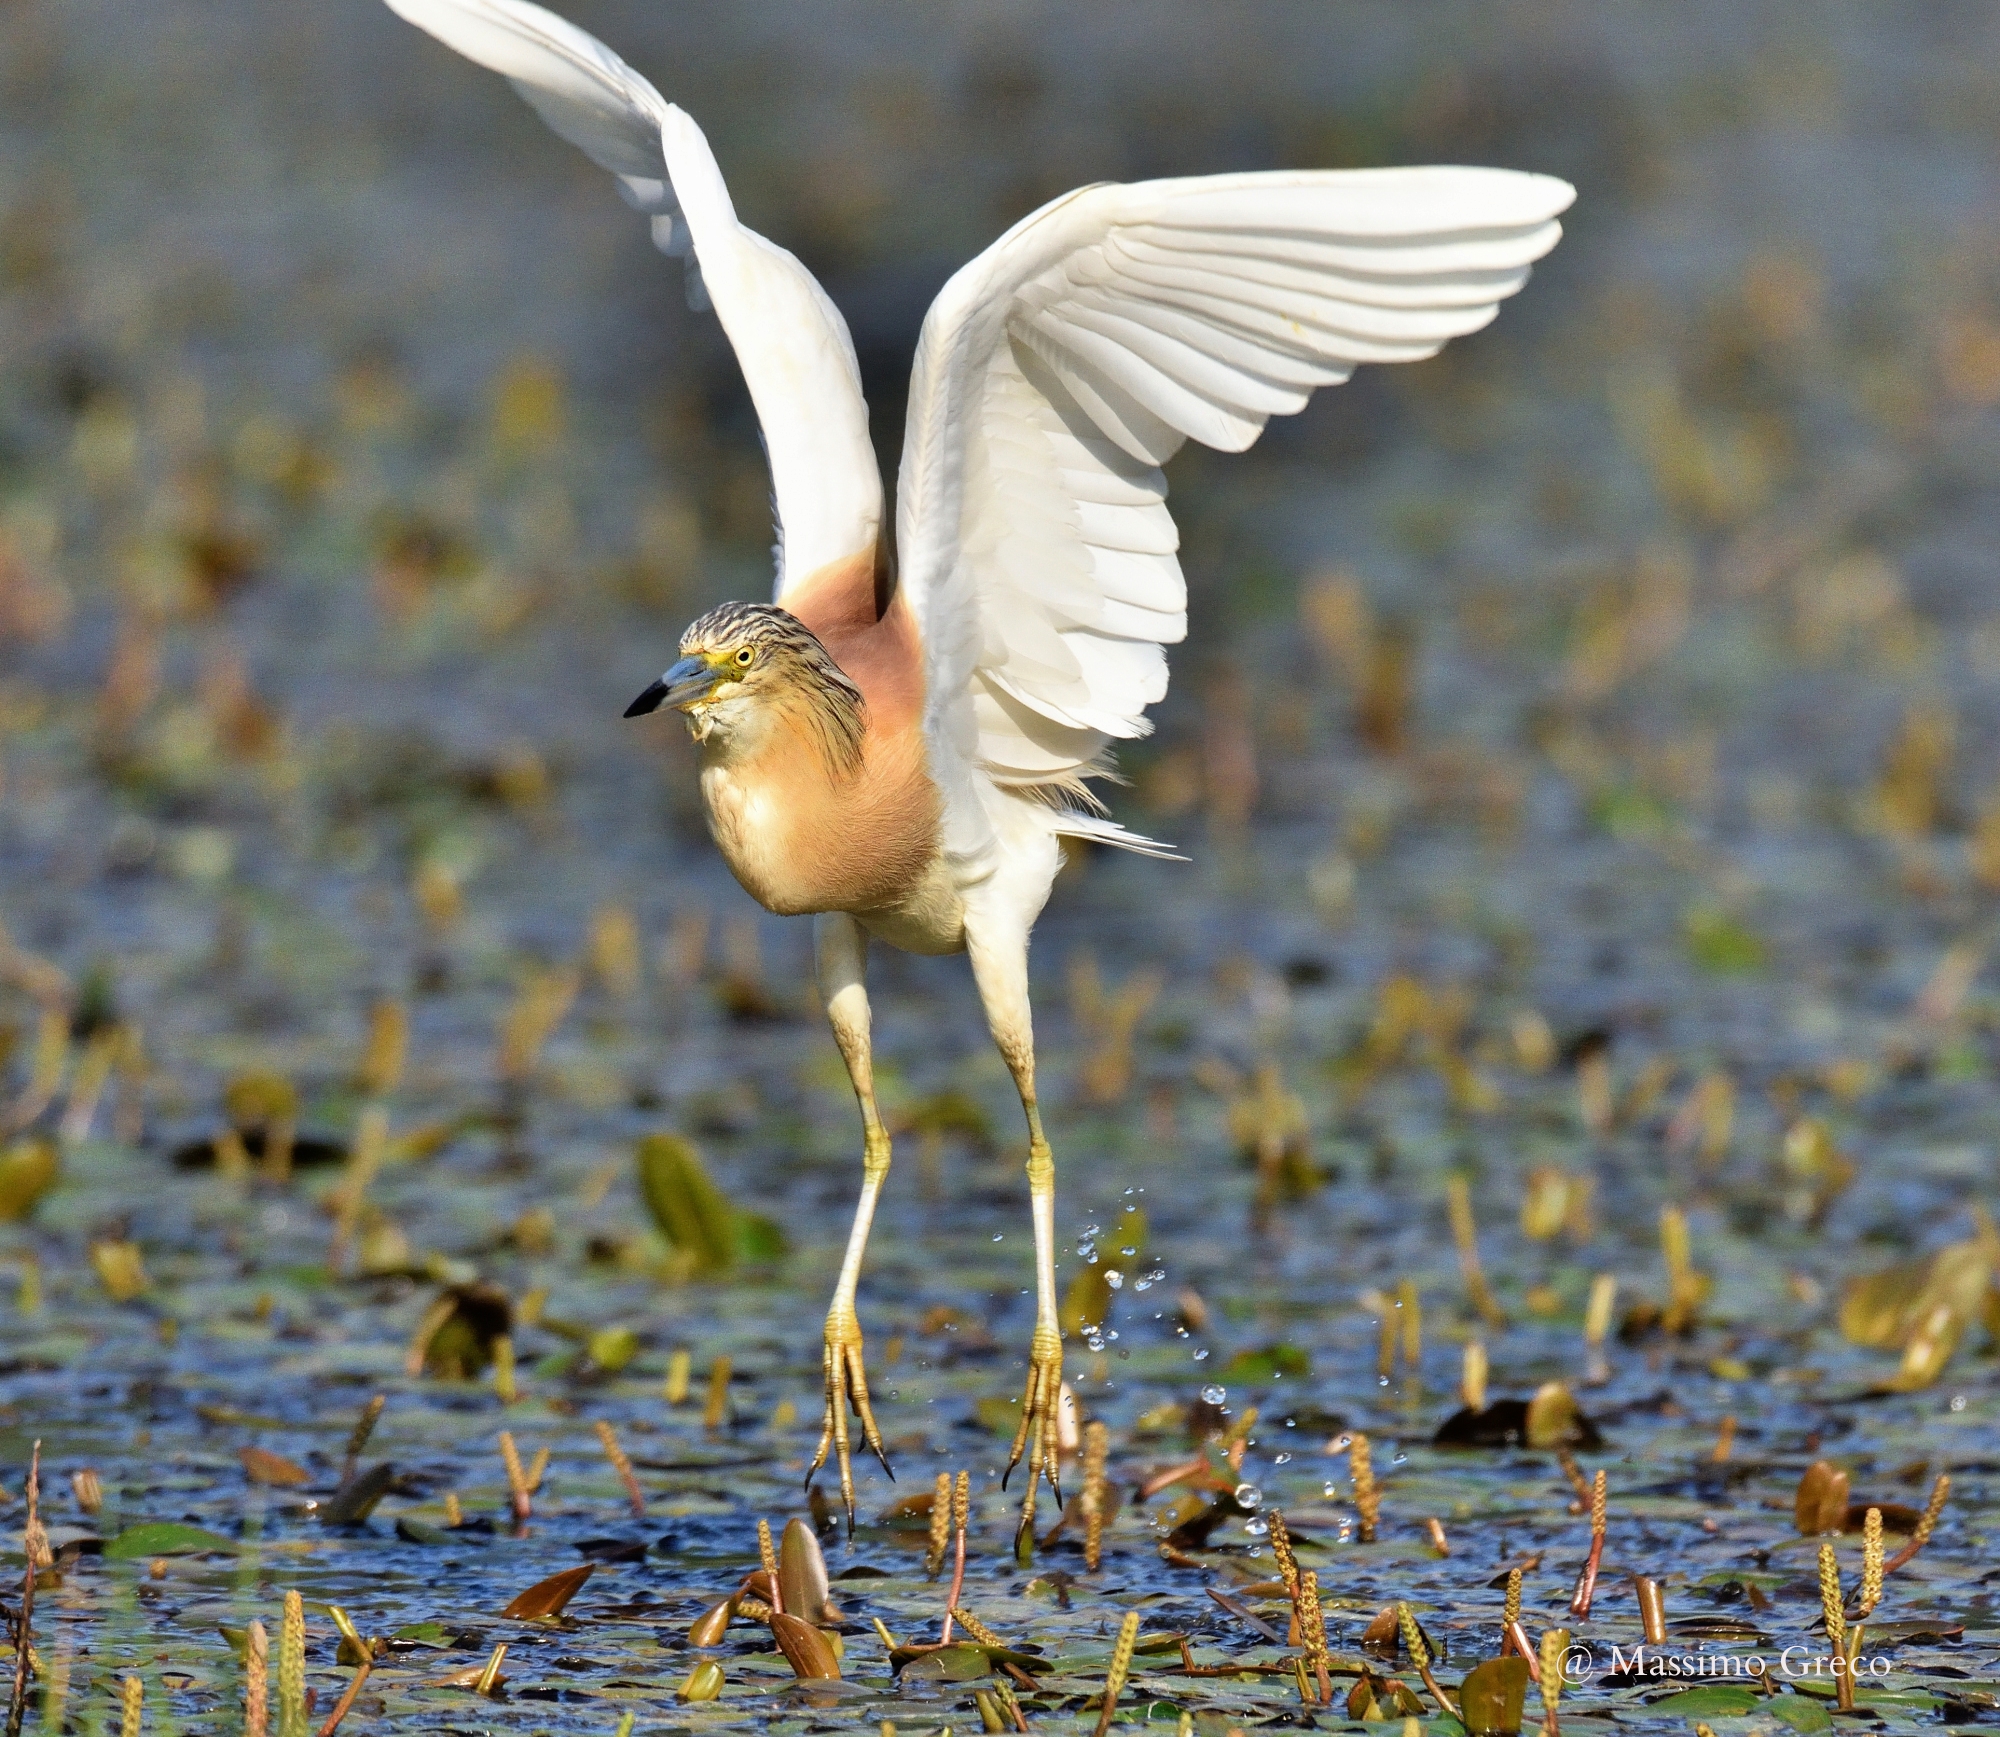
[(713, 1623), (806, 1650), (547, 1597), (261, 1466), (1821, 1502), (1898, 1518), (802, 1573)]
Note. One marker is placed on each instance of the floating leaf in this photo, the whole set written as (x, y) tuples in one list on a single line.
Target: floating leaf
[(421, 1532), (952, 1664), (608, 1550), (1807, 1717), (1267, 1363), (1717, 942), (546, 1598), (1709, 1699), (167, 1538), (1491, 1698), (28, 1170), (760, 1240), (611, 1348), (261, 1466), (1507, 1422), (119, 1269)]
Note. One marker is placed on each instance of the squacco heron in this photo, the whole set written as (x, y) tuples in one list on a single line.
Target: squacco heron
[(900, 748)]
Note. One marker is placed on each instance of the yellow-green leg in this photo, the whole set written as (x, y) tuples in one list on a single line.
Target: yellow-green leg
[(1001, 971), (841, 945)]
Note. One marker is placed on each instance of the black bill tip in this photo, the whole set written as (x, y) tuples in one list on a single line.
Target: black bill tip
[(649, 701)]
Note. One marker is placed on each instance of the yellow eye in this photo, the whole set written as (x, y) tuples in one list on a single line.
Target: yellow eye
[(745, 658)]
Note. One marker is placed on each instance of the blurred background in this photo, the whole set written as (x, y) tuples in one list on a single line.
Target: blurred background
[(1621, 683), (1586, 742)]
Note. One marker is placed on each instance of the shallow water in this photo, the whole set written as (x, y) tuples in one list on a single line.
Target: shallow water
[(357, 464)]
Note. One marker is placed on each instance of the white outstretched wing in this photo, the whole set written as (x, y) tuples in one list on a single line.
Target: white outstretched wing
[(1060, 369), (790, 340)]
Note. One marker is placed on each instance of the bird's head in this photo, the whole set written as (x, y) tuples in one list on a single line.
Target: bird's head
[(746, 667)]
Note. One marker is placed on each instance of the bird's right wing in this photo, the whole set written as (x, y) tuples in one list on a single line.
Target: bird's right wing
[(789, 338), (1061, 369)]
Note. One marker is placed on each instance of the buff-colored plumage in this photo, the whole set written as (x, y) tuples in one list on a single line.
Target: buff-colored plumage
[(902, 759)]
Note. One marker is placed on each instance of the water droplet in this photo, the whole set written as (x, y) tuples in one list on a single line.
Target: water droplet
[(999, 1236), (1248, 1495), (1256, 1528), (1128, 1253), (1142, 1284), (1329, 1491), (1282, 1460), (1115, 1279), (1200, 1356), (1400, 1459), (1213, 1394)]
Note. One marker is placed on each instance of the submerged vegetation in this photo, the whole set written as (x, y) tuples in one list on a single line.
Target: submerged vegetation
[(1526, 1189)]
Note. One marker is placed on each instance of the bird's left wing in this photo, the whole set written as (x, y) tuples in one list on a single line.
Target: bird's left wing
[(789, 338), (1060, 369)]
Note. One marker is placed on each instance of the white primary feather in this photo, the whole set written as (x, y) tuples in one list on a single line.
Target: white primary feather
[(789, 339), (1061, 368)]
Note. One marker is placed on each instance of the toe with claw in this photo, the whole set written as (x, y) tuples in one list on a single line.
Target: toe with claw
[(1039, 1437), (846, 1390)]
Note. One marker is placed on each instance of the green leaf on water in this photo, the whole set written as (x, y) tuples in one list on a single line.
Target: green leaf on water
[(611, 1348), (1717, 942), (1491, 1698), (28, 1170), (759, 1239), (1718, 1698), (695, 1215), (168, 1538), (1803, 1715), (998, 1413), (692, 1213), (1267, 1364)]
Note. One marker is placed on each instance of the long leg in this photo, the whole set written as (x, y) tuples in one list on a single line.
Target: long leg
[(842, 948), (1000, 967)]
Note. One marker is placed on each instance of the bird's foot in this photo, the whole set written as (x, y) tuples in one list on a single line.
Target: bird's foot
[(1039, 1435), (846, 1389)]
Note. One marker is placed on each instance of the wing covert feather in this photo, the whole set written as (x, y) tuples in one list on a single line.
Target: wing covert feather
[(790, 341), (1061, 368)]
